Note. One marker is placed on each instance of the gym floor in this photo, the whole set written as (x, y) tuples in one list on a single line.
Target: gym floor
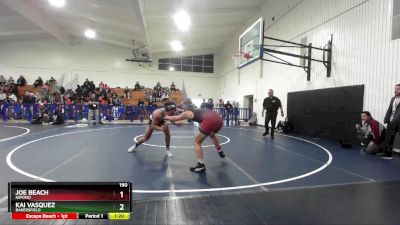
[(288, 180)]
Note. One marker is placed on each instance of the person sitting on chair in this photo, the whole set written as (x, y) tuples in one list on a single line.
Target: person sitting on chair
[(253, 119), (58, 117), (370, 133), (285, 126), (38, 82), (21, 81)]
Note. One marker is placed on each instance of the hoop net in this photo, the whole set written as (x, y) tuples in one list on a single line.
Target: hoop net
[(241, 57)]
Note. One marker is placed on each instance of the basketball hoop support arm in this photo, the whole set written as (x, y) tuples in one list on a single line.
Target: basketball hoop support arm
[(326, 51)]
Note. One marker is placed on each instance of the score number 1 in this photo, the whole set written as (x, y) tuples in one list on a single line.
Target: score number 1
[(123, 185)]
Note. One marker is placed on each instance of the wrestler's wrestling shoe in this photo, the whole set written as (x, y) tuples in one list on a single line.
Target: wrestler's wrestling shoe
[(133, 148), (169, 153), (200, 168)]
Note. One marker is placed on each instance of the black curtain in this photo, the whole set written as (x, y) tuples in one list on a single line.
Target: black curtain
[(329, 113)]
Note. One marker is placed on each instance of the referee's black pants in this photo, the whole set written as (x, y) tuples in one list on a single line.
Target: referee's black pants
[(270, 116), (390, 134)]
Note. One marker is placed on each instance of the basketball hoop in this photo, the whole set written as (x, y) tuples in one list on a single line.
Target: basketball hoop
[(241, 57)]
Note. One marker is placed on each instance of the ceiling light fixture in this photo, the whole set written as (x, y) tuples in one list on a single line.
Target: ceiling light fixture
[(89, 33), (182, 20), (57, 3), (176, 45)]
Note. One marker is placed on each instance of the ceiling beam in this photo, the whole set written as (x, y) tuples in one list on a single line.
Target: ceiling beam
[(113, 42), (210, 12), (192, 40), (166, 25), (195, 29), (20, 32), (32, 13), (12, 19), (140, 11), (98, 19)]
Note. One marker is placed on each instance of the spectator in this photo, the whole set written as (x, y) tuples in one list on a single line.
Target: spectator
[(46, 85), (228, 106), (62, 90), (173, 89), (221, 103), (57, 98), (236, 111), (10, 81), (45, 93), (3, 96), (92, 87), (370, 133), (204, 104), (140, 103), (285, 126), (392, 119), (127, 93), (12, 98), (32, 97), (165, 96), (52, 81), (86, 83), (271, 104), (101, 85), (38, 82), (210, 104), (228, 112), (2, 80), (158, 85), (21, 81), (27, 98), (43, 117), (253, 119), (137, 86), (93, 109), (68, 100), (58, 118), (79, 93), (38, 97)]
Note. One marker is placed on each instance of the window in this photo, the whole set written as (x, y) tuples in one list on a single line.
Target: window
[(396, 20), (198, 63)]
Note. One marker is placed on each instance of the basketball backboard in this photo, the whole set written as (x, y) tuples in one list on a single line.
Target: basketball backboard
[(250, 41)]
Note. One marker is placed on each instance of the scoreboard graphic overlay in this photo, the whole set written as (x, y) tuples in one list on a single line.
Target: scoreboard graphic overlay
[(70, 200)]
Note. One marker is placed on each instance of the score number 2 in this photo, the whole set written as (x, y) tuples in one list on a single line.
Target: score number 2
[(121, 193)]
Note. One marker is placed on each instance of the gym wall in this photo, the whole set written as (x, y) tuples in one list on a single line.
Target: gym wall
[(95, 61), (363, 51)]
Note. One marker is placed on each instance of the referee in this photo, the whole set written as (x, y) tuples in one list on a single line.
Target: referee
[(271, 104)]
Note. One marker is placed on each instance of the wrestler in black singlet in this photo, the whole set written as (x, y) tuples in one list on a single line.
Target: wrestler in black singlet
[(198, 114)]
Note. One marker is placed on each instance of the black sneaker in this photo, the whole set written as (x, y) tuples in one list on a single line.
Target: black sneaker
[(221, 154), (265, 133), (385, 155), (200, 168)]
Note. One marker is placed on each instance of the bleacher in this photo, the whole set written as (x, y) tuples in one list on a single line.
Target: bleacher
[(30, 88), (135, 96)]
